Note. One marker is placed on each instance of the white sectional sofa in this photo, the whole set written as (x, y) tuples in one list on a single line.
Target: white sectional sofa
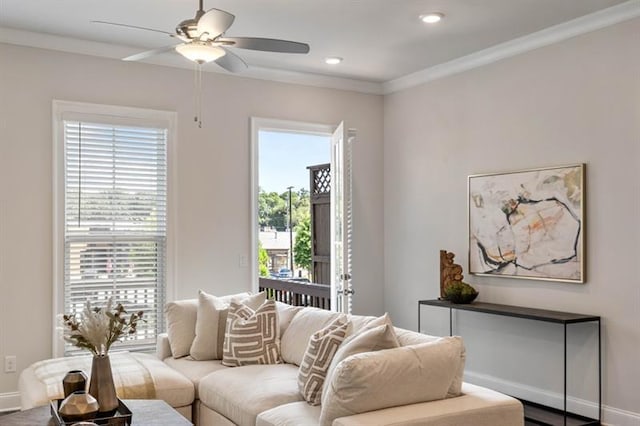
[(268, 395), (418, 382)]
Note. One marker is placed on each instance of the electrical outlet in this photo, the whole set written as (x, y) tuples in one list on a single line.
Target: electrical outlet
[(242, 261), (10, 364)]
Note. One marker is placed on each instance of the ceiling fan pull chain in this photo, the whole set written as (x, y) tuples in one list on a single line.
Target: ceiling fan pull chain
[(200, 95), (197, 96)]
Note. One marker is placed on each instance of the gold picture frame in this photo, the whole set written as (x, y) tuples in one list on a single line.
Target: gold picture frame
[(528, 224)]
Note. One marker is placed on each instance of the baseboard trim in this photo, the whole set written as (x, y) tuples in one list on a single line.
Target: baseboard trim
[(9, 401), (610, 415)]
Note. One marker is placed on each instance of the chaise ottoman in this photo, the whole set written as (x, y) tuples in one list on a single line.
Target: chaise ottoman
[(42, 381)]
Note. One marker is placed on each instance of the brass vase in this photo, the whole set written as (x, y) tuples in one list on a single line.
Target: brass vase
[(74, 380), (101, 385)]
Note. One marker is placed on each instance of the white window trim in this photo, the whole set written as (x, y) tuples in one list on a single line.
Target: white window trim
[(270, 124), (113, 114)]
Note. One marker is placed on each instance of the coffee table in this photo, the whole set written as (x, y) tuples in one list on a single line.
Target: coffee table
[(145, 412)]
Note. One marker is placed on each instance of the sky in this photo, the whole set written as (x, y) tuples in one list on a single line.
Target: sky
[(284, 157)]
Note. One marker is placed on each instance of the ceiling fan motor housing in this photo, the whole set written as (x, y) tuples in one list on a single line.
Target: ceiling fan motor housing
[(188, 28)]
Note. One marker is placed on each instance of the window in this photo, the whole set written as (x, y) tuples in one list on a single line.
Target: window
[(114, 226)]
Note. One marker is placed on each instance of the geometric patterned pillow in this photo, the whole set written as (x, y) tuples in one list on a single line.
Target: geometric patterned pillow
[(251, 337), (321, 348)]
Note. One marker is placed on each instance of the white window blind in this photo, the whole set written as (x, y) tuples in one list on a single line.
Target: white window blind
[(115, 226)]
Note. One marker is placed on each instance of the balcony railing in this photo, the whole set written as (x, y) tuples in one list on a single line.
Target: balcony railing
[(297, 293)]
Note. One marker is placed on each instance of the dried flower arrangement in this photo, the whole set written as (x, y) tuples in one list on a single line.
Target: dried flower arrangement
[(97, 329)]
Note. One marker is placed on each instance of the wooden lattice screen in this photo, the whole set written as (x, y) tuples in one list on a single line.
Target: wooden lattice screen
[(320, 184)]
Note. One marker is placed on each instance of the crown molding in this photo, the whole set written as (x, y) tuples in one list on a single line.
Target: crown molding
[(112, 51), (557, 33), (592, 22)]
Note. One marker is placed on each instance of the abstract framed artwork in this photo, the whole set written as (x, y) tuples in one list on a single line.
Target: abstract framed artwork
[(528, 224)]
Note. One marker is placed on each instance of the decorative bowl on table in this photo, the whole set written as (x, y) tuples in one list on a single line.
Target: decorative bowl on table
[(460, 293)]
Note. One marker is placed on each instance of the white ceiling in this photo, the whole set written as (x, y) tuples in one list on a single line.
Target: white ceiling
[(380, 40)]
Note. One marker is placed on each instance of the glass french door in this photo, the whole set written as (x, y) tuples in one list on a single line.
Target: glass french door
[(341, 219)]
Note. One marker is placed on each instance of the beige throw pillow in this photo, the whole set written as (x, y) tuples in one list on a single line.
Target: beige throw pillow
[(181, 325), (303, 325), (211, 321), (409, 338), (252, 337), (379, 334), (375, 380), (321, 348), (286, 313)]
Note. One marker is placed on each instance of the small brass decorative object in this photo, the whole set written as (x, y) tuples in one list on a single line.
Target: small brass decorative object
[(78, 406), (74, 380)]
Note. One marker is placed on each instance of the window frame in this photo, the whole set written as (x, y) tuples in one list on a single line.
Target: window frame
[(117, 115)]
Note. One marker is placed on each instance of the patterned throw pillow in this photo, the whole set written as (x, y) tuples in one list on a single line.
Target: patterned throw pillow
[(251, 337), (321, 348)]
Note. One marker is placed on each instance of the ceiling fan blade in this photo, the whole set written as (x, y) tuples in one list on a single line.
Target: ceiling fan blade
[(214, 22), (143, 55), (266, 44), (231, 62), (132, 26)]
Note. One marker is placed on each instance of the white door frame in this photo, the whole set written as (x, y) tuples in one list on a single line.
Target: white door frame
[(270, 124)]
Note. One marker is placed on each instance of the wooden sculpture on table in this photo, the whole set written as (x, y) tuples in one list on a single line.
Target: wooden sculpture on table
[(449, 272)]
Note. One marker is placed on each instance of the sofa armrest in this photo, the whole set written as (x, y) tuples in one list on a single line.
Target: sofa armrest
[(477, 406), (163, 349)]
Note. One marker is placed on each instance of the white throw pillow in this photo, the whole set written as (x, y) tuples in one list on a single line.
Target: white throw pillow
[(286, 313), (408, 338), (321, 348), (181, 325), (388, 378), (379, 334), (252, 337), (304, 324), (211, 321)]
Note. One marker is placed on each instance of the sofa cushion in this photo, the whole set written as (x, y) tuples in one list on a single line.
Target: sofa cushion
[(194, 370), (304, 324), (407, 338), (376, 338), (477, 406), (418, 373), (286, 313), (181, 325), (211, 321), (292, 414), (252, 337), (240, 394), (321, 348)]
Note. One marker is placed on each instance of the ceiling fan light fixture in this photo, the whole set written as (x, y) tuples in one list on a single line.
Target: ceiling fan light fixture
[(333, 60), (431, 18), (200, 52)]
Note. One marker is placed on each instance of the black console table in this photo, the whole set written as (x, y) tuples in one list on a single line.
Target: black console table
[(535, 412)]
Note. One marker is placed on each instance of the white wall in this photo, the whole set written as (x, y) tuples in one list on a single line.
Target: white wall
[(213, 217), (576, 101)]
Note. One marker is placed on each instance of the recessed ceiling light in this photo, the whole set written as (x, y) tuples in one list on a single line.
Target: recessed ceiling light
[(432, 18), (333, 60)]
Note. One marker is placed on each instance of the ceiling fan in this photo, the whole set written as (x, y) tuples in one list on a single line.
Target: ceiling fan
[(203, 40)]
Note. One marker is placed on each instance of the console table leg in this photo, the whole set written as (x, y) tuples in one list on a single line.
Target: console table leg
[(599, 376), (450, 322), (565, 374)]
